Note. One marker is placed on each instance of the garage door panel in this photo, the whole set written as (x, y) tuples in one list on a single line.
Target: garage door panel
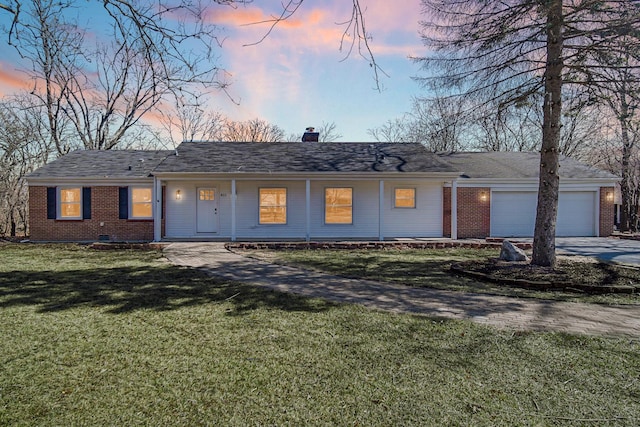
[(513, 213), (576, 214)]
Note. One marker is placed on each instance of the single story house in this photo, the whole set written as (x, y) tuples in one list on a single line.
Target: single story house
[(306, 191)]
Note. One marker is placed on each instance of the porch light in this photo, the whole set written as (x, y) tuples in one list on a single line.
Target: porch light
[(178, 195), (484, 196), (609, 196)]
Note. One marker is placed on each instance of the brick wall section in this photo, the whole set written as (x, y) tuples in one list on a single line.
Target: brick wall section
[(474, 215), (104, 209), (606, 212), (446, 214)]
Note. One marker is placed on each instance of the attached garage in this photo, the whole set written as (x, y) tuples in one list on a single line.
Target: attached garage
[(513, 213)]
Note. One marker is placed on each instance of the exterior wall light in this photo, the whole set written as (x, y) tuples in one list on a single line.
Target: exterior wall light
[(178, 195), (609, 196), (484, 196)]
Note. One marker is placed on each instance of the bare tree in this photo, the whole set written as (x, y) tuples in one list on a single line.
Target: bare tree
[(614, 82), (22, 149), (328, 132), (103, 89), (507, 51), (394, 130), (190, 121), (254, 130)]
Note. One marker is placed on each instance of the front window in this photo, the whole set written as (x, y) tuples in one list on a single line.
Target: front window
[(273, 206), (141, 203), (338, 205), (405, 198), (70, 203)]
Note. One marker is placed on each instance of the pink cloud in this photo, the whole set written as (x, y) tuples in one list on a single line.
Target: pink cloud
[(12, 80)]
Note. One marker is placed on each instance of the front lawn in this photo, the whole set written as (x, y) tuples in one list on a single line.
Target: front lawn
[(432, 268), (123, 338)]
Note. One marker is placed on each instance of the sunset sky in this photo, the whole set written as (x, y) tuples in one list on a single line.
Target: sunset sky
[(297, 76)]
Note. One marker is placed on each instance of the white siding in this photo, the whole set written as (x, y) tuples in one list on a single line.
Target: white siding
[(423, 221), (365, 211), (180, 221), (247, 211)]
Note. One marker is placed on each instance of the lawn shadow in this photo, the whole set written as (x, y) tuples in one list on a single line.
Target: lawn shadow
[(129, 289)]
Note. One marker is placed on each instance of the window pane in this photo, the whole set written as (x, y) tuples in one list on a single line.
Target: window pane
[(338, 196), (70, 210), (338, 215), (207, 195), (141, 203), (70, 195), (405, 198), (140, 195), (141, 210), (70, 206), (338, 205), (273, 215), (273, 206)]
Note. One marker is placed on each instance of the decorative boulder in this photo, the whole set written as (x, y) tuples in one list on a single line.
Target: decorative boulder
[(510, 252)]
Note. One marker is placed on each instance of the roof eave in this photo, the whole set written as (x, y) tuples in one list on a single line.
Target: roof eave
[(93, 180), (534, 180), (307, 175)]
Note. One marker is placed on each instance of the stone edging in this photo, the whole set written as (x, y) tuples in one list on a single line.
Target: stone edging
[(151, 246), (367, 245), (543, 285)]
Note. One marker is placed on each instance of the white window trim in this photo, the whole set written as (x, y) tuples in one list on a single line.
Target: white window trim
[(286, 206), (325, 208), (415, 198), (131, 216), (59, 204)]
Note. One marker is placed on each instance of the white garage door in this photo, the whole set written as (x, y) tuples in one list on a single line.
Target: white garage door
[(513, 214)]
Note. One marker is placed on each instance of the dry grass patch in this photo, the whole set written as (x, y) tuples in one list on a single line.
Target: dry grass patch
[(432, 268)]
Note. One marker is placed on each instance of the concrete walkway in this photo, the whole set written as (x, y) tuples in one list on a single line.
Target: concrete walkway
[(502, 312), (605, 249)]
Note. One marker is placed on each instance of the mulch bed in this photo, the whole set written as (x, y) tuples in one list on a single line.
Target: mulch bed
[(569, 275)]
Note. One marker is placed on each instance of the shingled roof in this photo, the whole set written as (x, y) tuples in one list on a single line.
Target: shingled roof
[(517, 165), (311, 157), (102, 164)]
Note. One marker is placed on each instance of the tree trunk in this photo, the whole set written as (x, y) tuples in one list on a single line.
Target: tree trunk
[(626, 212), (544, 240)]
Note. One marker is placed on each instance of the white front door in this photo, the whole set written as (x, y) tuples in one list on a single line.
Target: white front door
[(207, 210)]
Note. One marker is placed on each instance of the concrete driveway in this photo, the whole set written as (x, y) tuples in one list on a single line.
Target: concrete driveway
[(620, 251)]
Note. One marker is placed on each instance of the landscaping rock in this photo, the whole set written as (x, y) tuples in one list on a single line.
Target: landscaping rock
[(510, 252)]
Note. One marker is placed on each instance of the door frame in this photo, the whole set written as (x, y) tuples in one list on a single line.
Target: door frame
[(215, 224)]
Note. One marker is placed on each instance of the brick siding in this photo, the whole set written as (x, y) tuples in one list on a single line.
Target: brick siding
[(606, 212), (104, 210), (446, 214), (474, 214)]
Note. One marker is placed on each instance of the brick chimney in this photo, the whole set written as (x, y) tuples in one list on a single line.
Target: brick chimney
[(310, 136)]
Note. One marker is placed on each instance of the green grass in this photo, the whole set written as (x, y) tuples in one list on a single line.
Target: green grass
[(430, 268), (123, 338)]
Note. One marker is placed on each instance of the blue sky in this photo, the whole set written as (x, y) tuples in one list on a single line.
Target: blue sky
[(298, 77)]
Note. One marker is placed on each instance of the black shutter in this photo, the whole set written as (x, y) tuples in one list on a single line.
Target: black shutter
[(86, 202), (51, 203), (123, 203)]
